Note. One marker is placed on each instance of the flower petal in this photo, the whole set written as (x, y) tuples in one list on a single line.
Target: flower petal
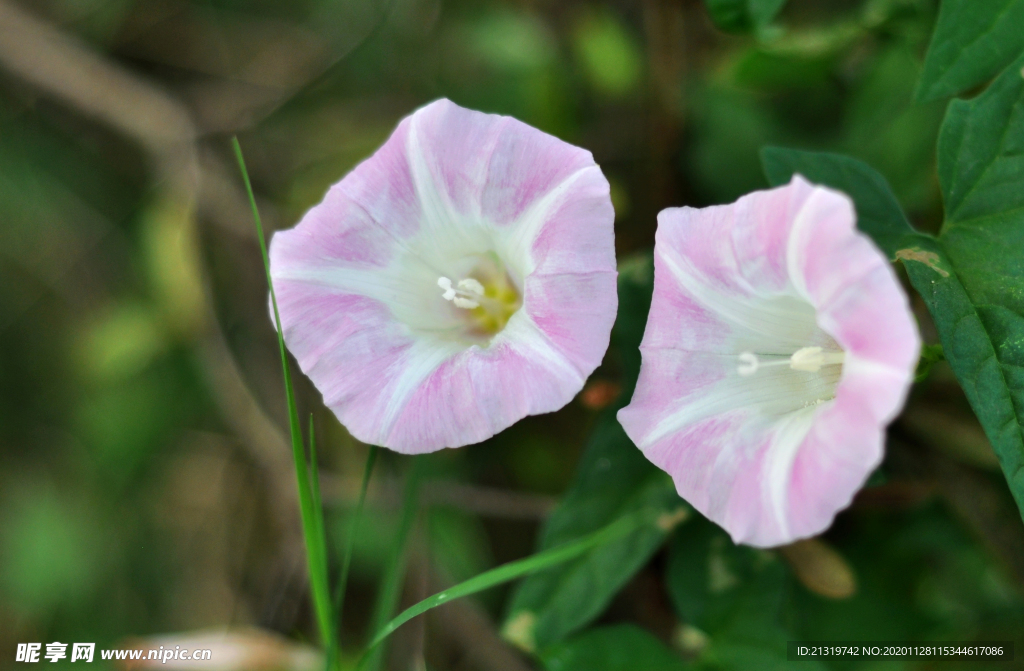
[(357, 280), (575, 312), (479, 392), (480, 173), (488, 168), (769, 456), (326, 331)]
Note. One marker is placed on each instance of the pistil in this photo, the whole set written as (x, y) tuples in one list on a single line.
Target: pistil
[(805, 359)]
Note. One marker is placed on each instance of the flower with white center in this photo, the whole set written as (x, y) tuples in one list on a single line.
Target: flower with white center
[(779, 345), (459, 279)]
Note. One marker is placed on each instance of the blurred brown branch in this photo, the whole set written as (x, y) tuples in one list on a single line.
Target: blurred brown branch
[(59, 64), (664, 24), (195, 180), (483, 501)]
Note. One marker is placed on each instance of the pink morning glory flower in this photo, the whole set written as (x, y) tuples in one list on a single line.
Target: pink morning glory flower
[(778, 346), (459, 279)]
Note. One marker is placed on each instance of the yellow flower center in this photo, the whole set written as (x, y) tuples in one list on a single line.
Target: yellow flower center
[(488, 296)]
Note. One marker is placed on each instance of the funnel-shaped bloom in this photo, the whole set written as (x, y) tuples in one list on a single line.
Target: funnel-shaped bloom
[(459, 279), (779, 345)]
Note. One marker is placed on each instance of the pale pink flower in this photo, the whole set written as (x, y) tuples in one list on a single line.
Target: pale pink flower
[(459, 279), (778, 347)]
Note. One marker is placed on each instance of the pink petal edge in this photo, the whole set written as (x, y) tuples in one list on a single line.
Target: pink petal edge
[(384, 384), (716, 464)]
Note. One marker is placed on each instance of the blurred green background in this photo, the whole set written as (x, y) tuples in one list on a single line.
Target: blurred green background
[(145, 481)]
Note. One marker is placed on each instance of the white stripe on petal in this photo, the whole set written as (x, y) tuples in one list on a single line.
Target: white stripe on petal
[(527, 228), (784, 322), (372, 283), (770, 393), (808, 216), (437, 209), (523, 334), (788, 435), (447, 234), (822, 204), (861, 365), (420, 360)]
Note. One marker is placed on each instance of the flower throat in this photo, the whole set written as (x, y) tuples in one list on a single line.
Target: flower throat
[(487, 295)]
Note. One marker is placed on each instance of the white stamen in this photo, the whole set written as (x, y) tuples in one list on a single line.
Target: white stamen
[(749, 363), (465, 303), (811, 359), (446, 284), (464, 296), (472, 286)]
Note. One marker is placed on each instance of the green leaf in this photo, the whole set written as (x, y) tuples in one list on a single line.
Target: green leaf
[(885, 127), (730, 597), (517, 569), (459, 544), (615, 648), (930, 355), (613, 479), (900, 559), (979, 309), (981, 155), (879, 214), (729, 127), (711, 581), (972, 276), (52, 550), (973, 41), (511, 41), (333, 644), (743, 15), (741, 655), (797, 59), (636, 284)]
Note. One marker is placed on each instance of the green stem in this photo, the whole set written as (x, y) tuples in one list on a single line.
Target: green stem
[(312, 530)]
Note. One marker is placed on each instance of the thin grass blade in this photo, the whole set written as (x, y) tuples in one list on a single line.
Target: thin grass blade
[(312, 531), (333, 643), (515, 569)]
